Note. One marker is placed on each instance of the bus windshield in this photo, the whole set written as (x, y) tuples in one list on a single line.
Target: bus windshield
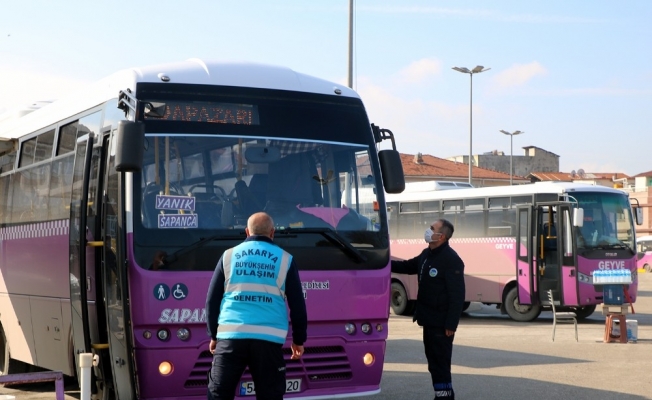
[(197, 191), (607, 221)]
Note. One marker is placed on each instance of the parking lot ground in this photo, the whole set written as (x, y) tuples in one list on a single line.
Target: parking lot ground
[(497, 358)]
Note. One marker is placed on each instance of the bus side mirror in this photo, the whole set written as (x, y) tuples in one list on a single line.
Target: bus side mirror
[(578, 217), (639, 215), (392, 171), (130, 145)]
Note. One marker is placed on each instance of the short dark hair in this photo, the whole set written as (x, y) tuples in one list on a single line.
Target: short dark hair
[(447, 228)]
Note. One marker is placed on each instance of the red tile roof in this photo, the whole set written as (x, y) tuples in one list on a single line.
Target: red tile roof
[(648, 173), (438, 167)]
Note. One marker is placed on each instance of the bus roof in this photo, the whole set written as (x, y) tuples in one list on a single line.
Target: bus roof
[(192, 71), (530, 188), (426, 186)]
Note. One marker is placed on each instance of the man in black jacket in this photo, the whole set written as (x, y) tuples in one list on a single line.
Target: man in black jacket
[(440, 300)]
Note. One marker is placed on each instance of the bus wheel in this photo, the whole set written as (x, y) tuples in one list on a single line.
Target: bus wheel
[(584, 312), (4, 353), (517, 311), (399, 300)]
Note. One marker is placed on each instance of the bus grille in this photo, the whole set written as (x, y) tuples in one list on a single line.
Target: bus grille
[(318, 364)]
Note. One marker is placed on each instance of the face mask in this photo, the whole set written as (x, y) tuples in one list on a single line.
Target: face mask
[(428, 235)]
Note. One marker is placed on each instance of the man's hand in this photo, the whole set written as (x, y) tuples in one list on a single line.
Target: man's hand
[(297, 351), (212, 346), (450, 332)]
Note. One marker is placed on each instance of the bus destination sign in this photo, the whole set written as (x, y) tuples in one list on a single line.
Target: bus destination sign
[(190, 111)]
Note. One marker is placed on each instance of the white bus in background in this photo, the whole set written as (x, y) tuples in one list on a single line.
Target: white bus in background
[(518, 242), (644, 249)]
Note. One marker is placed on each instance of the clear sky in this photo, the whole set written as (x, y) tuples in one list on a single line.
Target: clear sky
[(575, 76)]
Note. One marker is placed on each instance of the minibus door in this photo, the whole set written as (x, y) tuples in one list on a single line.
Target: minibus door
[(525, 268), (567, 258)]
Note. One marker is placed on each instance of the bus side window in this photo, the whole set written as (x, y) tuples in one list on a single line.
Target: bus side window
[(23, 196)]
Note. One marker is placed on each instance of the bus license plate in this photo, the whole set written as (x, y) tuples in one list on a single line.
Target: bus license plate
[(291, 386)]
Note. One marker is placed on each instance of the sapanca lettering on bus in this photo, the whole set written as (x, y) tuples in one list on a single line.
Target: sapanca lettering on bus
[(176, 315), (177, 220)]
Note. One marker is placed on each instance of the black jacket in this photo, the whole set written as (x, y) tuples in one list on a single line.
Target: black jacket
[(440, 298)]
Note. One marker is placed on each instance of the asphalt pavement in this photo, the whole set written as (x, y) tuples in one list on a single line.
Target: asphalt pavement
[(497, 358)]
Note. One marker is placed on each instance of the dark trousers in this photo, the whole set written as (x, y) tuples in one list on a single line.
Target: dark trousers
[(265, 362), (439, 351)]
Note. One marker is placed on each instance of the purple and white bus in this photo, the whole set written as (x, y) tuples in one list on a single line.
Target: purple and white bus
[(518, 242), (117, 202)]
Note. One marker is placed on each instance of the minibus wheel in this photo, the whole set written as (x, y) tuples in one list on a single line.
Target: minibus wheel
[(399, 300), (584, 312), (520, 312)]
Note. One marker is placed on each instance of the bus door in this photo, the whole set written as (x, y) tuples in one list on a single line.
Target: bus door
[(547, 254), (567, 257), (84, 231), (118, 362), (555, 259), (525, 267)]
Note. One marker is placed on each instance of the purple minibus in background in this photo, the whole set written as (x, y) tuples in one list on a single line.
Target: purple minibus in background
[(117, 202), (644, 248), (518, 242)]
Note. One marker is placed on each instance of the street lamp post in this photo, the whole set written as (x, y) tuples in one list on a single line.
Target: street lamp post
[(511, 152), (475, 70)]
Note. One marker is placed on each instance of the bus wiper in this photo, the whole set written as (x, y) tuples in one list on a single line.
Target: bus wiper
[(200, 243), (608, 246), (622, 245), (332, 237)]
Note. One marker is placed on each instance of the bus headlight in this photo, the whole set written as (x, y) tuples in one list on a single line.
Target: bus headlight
[(183, 334), (366, 328), (165, 368), (163, 334), (583, 278), (368, 359), (350, 328)]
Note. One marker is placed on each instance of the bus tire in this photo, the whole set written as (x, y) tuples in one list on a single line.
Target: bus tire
[(399, 301), (517, 311), (7, 365), (4, 353), (584, 312)]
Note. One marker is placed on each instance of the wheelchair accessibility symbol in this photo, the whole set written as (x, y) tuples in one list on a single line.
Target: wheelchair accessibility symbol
[(180, 291)]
